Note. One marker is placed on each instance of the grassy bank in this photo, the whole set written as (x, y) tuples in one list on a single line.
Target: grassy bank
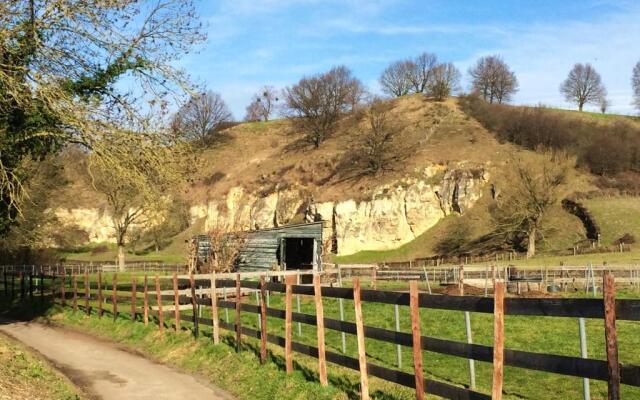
[(242, 374), (24, 375)]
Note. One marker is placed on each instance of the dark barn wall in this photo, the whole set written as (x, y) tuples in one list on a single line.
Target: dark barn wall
[(261, 250)]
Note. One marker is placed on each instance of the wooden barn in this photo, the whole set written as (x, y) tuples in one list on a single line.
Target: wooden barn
[(290, 247)]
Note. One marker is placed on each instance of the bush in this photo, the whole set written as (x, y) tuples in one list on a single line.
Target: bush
[(604, 149), (627, 238), (99, 249)]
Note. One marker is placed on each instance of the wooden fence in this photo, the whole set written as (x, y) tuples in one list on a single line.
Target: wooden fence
[(191, 293)]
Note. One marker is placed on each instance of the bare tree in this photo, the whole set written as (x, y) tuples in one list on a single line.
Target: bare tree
[(396, 78), (201, 116), (519, 213), (262, 105), (253, 112), (635, 85), (318, 102), (604, 104), (225, 248), (583, 85), (446, 80), (493, 80), (421, 72), (375, 149)]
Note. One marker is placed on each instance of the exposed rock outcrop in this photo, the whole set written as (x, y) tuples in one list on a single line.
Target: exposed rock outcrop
[(396, 214)]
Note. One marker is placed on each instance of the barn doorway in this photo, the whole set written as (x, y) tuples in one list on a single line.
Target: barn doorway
[(299, 253)]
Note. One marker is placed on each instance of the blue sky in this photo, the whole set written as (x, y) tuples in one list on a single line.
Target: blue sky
[(276, 42)]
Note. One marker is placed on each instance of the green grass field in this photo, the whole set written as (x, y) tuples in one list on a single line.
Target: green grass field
[(246, 378)]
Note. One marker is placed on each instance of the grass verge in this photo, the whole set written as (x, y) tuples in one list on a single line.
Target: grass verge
[(24, 375)]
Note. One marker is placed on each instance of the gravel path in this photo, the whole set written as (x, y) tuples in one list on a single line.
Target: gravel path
[(104, 371)]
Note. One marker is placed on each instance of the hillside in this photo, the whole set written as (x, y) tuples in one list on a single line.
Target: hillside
[(264, 173), (261, 156)]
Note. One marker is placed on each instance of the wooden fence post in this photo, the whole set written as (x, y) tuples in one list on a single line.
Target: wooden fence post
[(609, 290), (214, 310), (176, 301), (87, 287), (498, 340), (63, 295), (238, 315), (145, 301), (22, 291), (194, 304), (114, 295), (298, 304), (263, 321), (289, 280), (75, 293), (41, 286), (374, 276), (31, 285), (362, 356), (417, 340), (322, 362), (341, 307), (100, 311), (159, 300), (134, 298)]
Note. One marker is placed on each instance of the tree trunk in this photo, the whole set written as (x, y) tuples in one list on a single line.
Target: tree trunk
[(121, 256), (531, 242), (580, 105)]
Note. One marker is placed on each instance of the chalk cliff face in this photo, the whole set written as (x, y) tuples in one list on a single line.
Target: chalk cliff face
[(396, 214), (94, 221)]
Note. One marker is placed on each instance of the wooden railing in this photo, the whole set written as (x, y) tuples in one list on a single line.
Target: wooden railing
[(198, 291)]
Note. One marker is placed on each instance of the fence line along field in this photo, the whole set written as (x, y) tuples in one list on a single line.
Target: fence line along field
[(451, 346)]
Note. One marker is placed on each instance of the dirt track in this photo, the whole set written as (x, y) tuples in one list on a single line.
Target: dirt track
[(104, 371)]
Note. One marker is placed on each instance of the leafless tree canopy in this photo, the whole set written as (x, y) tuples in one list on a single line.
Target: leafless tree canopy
[(408, 76), (263, 105), (201, 116), (446, 80), (604, 104), (519, 214), (375, 150), (318, 102), (395, 79), (635, 85), (583, 85), (493, 80), (422, 72)]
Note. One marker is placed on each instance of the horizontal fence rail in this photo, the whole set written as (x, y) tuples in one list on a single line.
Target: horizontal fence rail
[(149, 297)]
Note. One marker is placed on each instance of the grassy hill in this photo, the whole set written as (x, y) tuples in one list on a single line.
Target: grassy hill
[(265, 156)]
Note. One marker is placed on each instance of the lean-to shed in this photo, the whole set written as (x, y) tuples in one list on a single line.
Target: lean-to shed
[(289, 247)]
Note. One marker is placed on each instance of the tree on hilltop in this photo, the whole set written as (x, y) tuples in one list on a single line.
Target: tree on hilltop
[(318, 102), (493, 80), (201, 117), (446, 80), (396, 78), (422, 72), (583, 86), (635, 85), (263, 105)]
